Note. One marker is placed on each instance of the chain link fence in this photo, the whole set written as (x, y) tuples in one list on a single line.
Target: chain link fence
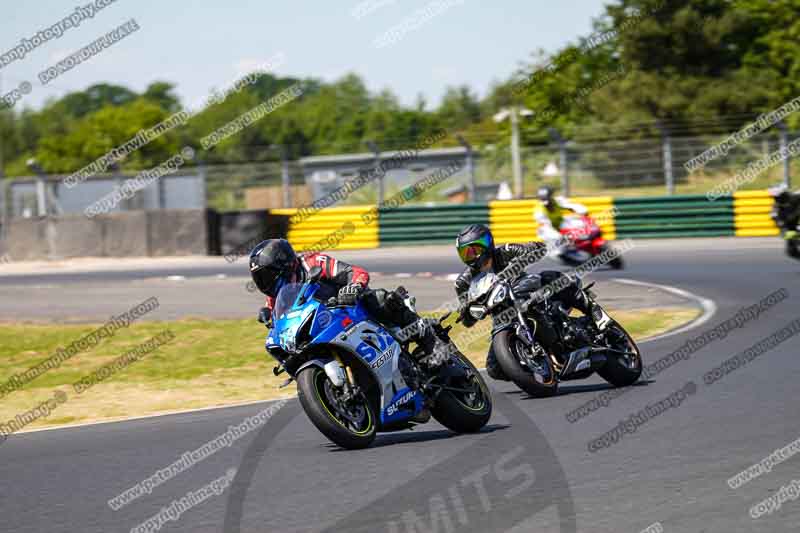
[(642, 167)]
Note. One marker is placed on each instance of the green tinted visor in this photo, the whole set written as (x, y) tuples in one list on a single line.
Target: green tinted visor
[(469, 252)]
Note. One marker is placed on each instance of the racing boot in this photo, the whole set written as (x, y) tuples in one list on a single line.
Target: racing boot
[(586, 305), (432, 351)]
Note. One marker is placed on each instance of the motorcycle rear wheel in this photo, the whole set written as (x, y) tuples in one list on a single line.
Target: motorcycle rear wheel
[(619, 370), (617, 263), (537, 384), (351, 430)]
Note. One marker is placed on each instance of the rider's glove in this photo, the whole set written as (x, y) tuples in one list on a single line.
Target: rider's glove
[(265, 316), (348, 295), (464, 317)]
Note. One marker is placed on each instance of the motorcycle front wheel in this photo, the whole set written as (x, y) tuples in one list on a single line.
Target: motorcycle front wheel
[(536, 376), (350, 424), (465, 406)]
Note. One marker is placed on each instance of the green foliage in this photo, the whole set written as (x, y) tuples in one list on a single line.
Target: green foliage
[(685, 62)]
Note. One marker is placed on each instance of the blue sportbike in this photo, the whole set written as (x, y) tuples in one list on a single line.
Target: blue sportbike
[(354, 378)]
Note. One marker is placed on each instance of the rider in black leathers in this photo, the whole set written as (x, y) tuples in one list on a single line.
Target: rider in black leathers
[(476, 249)]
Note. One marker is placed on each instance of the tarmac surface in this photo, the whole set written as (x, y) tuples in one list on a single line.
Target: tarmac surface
[(531, 469)]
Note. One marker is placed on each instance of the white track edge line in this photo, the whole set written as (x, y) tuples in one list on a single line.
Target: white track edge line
[(708, 306)]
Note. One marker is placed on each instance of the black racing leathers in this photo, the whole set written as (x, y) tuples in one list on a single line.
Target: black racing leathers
[(521, 255)]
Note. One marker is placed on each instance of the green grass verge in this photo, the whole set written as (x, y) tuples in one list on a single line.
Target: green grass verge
[(208, 363)]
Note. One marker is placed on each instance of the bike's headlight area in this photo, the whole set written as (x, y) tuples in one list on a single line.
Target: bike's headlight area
[(477, 311), (481, 285), (498, 295), (289, 344)]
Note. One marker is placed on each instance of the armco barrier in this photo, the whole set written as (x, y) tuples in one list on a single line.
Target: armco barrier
[(177, 232), (307, 233), (674, 216), (423, 225), (512, 220), (126, 234), (234, 233), (751, 211)]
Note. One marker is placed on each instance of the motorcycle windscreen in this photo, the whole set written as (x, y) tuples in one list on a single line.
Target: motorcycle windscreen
[(284, 301)]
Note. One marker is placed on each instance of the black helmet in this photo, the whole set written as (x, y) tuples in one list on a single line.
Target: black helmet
[(545, 195), (475, 245), (272, 264)]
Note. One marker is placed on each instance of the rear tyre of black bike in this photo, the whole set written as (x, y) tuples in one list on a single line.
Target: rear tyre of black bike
[(621, 370)]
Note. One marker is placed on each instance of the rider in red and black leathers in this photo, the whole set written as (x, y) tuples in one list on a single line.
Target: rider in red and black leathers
[(334, 271), (273, 263)]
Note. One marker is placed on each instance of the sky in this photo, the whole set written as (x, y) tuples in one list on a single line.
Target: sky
[(409, 46)]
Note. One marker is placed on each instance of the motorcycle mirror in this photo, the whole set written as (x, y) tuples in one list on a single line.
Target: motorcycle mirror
[(315, 274)]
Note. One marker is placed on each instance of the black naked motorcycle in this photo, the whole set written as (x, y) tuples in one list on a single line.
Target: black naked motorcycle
[(538, 344), (786, 214)]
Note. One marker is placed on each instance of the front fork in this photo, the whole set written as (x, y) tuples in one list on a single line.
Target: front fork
[(523, 330), (341, 375)]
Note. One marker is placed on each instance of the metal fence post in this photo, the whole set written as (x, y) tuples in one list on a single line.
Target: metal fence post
[(562, 149), (377, 152), (667, 149), (287, 191), (563, 159), (787, 179), (470, 168)]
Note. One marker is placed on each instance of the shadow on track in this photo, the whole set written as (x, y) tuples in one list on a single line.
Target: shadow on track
[(410, 437), (575, 389)]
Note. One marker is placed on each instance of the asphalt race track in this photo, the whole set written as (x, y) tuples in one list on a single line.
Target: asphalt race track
[(530, 470)]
